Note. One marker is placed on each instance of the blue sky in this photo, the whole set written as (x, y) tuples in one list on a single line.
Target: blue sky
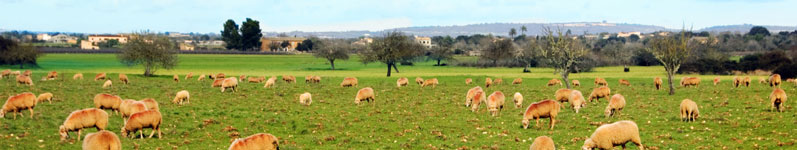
[(114, 16)]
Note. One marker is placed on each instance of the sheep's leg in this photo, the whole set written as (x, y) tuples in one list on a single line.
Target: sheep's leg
[(152, 133), (637, 142), (31, 113), (15, 115), (537, 123), (79, 132), (553, 122), (159, 133), (141, 133)]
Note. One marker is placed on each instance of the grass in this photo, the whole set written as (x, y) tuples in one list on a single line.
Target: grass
[(400, 118)]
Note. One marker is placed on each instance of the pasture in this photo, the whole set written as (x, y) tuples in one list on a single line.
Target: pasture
[(400, 118)]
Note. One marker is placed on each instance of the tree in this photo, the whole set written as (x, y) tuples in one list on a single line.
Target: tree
[(250, 35), (671, 52), (512, 33), (108, 43), (306, 45), (758, 30), (230, 35), (523, 30), (150, 50), (12, 53), (499, 50), (332, 50), (444, 50), (285, 44), (562, 51), (527, 53), (394, 47)]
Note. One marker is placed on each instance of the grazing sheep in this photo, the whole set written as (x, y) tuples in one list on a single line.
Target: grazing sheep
[(542, 143), (601, 82), (201, 77), (609, 135), (575, 83), (241, 78), (498, 81), (599, 93), (716, 80), (478, 97), (100, 76), (27, 73), (747, 81), (189, 75), (541, 109), (488, 82), (737, 81), (774, 80), (576, 100), (471, 95), (402, 82), (219, 76), (176, 78), (77, 76), (689, 110), (366, 94), (139, 121), (270, 82), (17, 103), (256, 79), (217, 82), (430, 82), (316, 79), (657, 82), (762, 80), (308, 78), (5, 73), (554, 81), (231, 83), (419, 80), (495, 102), (45, 96), (349, 82), (85, 118), (260, 141), (15, 73), (562, 95), (25, 80), (107, 101), (518, 99), (624, 82), (778, 99), (616, 104), (517, 81), (52, 75), (306, 99), (130, 107), (468, 81), (102, 140), (123, 78), (150, 103), (107, 84), (690, 81), (181, 97), (289, 79)]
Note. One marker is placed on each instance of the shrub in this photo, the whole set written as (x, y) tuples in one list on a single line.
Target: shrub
[(787, 71)]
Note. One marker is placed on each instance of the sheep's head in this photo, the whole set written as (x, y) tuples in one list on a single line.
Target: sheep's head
[(124, 132), (525, 123), (588, 144), (2, 113), (63, 132), (607, 112)]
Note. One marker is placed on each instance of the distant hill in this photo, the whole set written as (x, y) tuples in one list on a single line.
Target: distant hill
[(744, 28)]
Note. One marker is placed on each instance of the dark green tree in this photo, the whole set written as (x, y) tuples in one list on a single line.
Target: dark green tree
[(758, 30), (393, 48), (512, 33), (250, 35), (230, 35), (501, 49), (306, 45), (153, 51), (285, 44), (12, 53)]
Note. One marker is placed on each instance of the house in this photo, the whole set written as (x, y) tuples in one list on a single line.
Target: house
[(102, 38), (364, 41), (425, 41), (186, 46), (43, 37), (63, 38), (268, 41), (628, 34), (88, 45)]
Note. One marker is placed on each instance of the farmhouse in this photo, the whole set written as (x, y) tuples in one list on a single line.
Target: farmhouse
[(268, 41)]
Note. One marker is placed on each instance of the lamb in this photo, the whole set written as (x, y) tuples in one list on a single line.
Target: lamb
[(498, 81), (495, 102), (419, 80), (289, 79), (17, 103), (774, 80), (575, 83), (689, 110), (107, 101), (349, 82), (657, 82), (189, 75), (270, 82), (624, 82), (777, 98), (541, 109), (107, 84), (176, 78), (5, 73), (517, 81), (402, 82), (77, 76), (316, 79), (231, 83), (260, 141), (201, 77), (477, 99), (576, 100), (181, 97), (306, 99), (52, 75), (102, 140), (468, 81), (471, 95), (609, 135), (45, 96), (430, 82), (554, 81), (139, 121), (129, 107), (601, 82), (562, 95), (25, 80), (217, 82), (716, 80), (256, 79), (747, 81), (366, 94), (518, 99), (599, 92), (542, 143), (100, 76), (85, 118), (123, 78), (150, 103), (616, 104), (488, 82)]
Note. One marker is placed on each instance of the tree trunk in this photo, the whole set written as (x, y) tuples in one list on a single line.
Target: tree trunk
[(669, 80), (20, 65), (564, 78), (332, 63), (388, 69), (438, 62), (395, 68), (147, 72)]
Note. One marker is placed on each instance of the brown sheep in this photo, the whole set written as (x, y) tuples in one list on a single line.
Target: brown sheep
[(217, 82), (624, 82), (231, 83), (260, 141), (220, 75), (182, 96), (777, 98), (349, 82), (518, 99), (562, 95), (762, 80), (774, 80), (45, 96), (288, 79), (77, 76), (316, 79), (575, 83), (616, 104), (657, 82), (601, 82), (85, 118), (747, 81), (554, 81), (430, 82), (150, 103), (139, 121), (419, 80), (517, 81), (599, 92), (15, 73), (468, 81), (737, 81), (308, 78), (130, 107), (306, 99), (5, 73), (123, 78), (495, 102), (609, 135), (690, 81), (542, 143), (241, 78), (689, 110), (488, 82), (498, 81), (24, 80), (366, 94), (716, 80), (256, 79), (107, 84), (541, 109), (201, 77), (478, 97), (102, 140), (52, 75), (471, 95), (17, 103), (270, 82), (189, 75), (402, 82), (27, 73), (100, 76), (107, 101), (176, 78), (576, 100)]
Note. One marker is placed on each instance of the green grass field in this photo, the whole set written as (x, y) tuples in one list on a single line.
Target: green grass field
[(400, 118)]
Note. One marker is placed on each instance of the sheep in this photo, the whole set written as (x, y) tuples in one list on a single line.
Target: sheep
[(716, 80), (15, 73), (624, 82), (468, 81), (316, 79), (107, 84), (498, 81), (689, 110), (270, 82), (100, 76), (27, 73), (201, 77), (575, 83), (181, 97), (609, 135), (306, 99), (45, 96), (747, 81), (542, 143), (517, 81), (488, 82), (518, 99), (102, 140), (150, 103), (762, 80), (25, 80), (495, 102), (562, 95), (220, 75), (241, 78), (260, 141), (231, 83), (777, 98), (419, 80), (85, 118), (123, 78), (77, 76), (402, 82), (366, 94), (5, 73), (541, 109), (774, 80), (601, 82), (288, 79), (690, 81), (176, 78), (554, 81), (107, 101), (217, 82), (17, 103), (616, 104), (576, 100), (189, 75), (129, 107), (349, 82), (52, 75), (478, 97), (657, 82), (599, 92), (430, 82), (256, 79), (139, 121), (471, 95)]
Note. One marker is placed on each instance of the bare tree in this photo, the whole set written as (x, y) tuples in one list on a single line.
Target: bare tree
[(393, 48), (671, 52), (562, 50), (153, 51), (500, 49), (527, 53), (332, 50)]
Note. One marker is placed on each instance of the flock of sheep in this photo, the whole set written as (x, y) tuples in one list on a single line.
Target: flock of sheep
[(141, 114)]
